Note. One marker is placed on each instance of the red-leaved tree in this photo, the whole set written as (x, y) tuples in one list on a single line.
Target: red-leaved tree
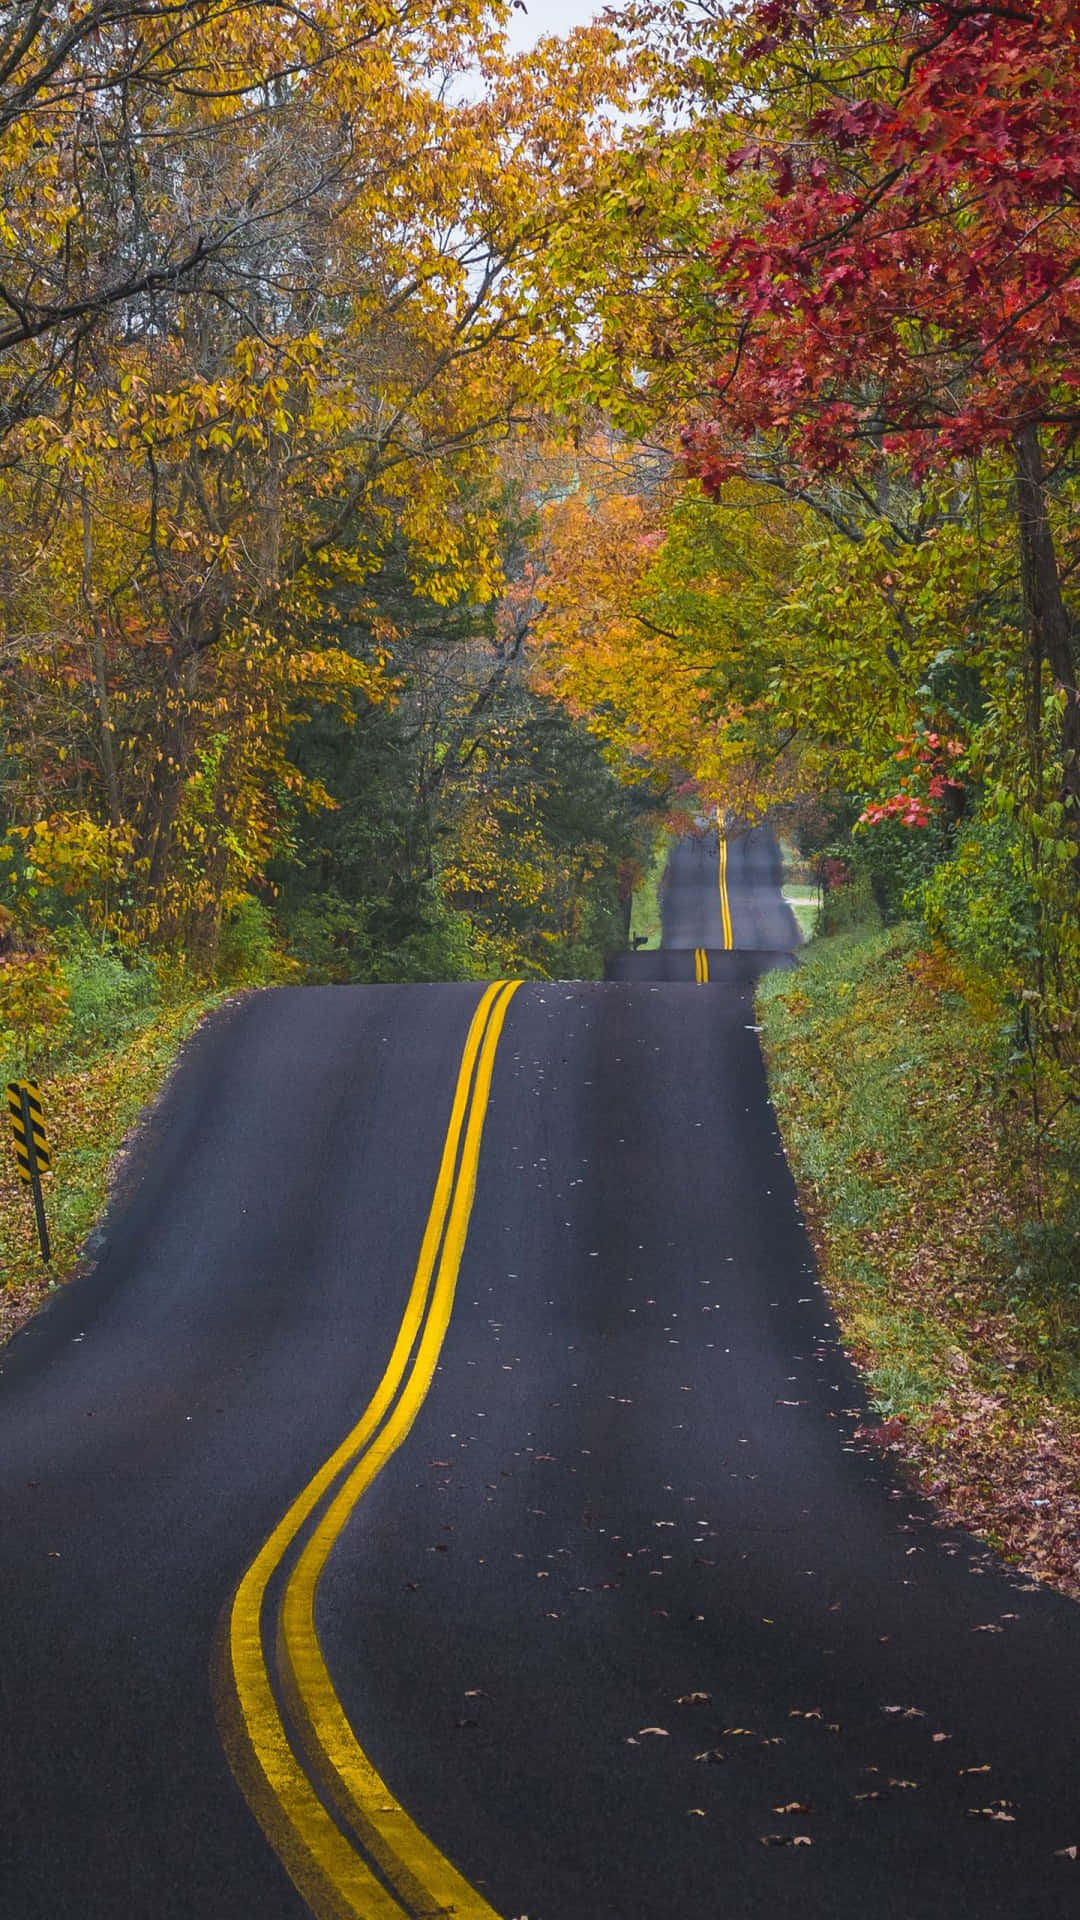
[(912, 287)]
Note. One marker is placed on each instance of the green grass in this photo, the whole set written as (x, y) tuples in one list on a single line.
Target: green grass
[(805, 903), (645, 916), (93, 1094), (844, 1071), (911, 1142), (800, 888)]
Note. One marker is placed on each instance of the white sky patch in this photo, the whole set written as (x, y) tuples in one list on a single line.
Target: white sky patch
[(548, 16)]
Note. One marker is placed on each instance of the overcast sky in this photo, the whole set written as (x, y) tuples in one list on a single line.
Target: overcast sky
[(549, 16)]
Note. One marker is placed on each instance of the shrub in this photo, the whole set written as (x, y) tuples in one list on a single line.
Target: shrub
[(330, 939), (447, 948), (248, 953), (33, 1005), (847, 907), (109, 993), (977, 904)]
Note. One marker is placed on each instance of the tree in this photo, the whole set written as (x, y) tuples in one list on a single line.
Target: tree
[(476, 825), (910, 289)]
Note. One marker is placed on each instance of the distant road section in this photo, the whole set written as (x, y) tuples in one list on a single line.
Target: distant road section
[(722, 898)]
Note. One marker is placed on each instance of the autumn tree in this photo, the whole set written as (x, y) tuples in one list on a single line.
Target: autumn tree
[(477, 826), (909, 292)]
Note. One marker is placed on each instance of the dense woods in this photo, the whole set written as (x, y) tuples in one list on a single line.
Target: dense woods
[(270, 382)]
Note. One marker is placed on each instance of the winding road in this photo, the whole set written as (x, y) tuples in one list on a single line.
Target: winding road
[(441, 1497)]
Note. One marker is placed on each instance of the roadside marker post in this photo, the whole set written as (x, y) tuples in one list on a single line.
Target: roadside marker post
[(31, 1147)]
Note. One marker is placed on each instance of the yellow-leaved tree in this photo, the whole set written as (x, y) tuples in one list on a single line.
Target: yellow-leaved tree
[(272, 283)]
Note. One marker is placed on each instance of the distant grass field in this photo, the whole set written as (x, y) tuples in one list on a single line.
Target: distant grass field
[(805, 903), (645, 921)]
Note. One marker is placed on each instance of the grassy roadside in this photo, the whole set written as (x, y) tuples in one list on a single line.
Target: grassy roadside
[(800, 888), (805, 904), (91, 1103), (645, 922), (894, 1107)]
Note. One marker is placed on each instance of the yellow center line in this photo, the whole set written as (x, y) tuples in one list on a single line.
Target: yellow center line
[(725, 903), (323, 1862), (701, 966)]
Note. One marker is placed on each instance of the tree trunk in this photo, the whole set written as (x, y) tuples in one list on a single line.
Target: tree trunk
[(97, 654), (1048, 620), (153, 842)]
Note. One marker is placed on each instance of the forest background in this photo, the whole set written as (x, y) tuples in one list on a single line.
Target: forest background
[(427, 472)]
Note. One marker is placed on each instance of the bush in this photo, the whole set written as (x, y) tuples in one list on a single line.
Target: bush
[(33, 1005), (845, 908), (448, 948), (248, 954), (329, 938), (977, 904), (108, 995)]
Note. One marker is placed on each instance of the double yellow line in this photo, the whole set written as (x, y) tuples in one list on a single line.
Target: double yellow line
[(350, 1848), (701, 958), (725, 903)]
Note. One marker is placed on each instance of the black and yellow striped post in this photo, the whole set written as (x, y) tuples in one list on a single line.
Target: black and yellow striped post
[(31, 1146)]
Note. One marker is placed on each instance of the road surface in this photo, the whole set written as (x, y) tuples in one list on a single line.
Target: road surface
[(721, 900), (612, 1617)]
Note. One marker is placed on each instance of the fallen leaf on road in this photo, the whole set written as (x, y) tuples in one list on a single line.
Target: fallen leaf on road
[(813, 1713), (793, 1806), (693, 1700), (912, 1784), (734, 1731), (982, 1769), (698, 1810), (659, 1730), (997, 1810), (786, 1840), (712, 1756), (1067, 1853)]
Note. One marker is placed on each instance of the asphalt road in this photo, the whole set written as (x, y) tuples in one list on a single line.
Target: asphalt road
[(626, 1591), (758, 929), (690, 895)]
